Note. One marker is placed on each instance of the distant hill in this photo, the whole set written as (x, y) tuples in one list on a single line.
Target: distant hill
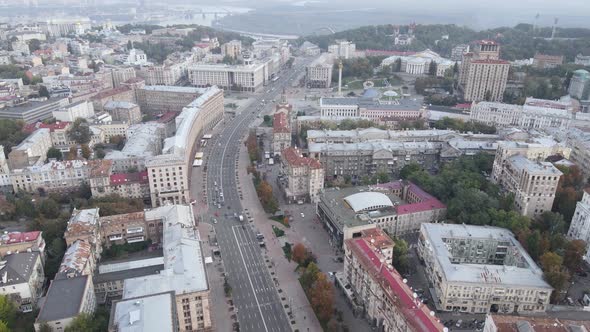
[(518, 42)]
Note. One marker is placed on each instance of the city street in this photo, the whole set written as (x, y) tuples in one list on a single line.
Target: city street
[(255, 297)]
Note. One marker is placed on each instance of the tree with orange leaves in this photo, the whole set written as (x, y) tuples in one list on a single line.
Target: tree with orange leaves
[(322, 298), (299, 254)]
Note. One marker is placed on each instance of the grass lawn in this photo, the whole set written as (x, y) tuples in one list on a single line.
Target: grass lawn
[(278, 232)]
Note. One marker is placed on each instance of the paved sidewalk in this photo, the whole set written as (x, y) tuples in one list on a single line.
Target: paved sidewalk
[(283, 272)]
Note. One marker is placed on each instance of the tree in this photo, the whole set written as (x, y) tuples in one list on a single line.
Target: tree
[(82, 323), (129, 45), (322, 298), (99, 154), (7, 310), (4, 326), (409, 169), (86, 152), (54, 153), (43, 92), (400, 256), (73, 153), (397, 65), (49, 208), (44, 327), (299, 253), (118, 140), (551, 261), (432, 68), (551, 222), (309, 276), (34, 45), (574, 251), (79, 132), (267, 120)]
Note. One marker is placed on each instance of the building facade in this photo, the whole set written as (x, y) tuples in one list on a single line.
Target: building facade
[(481, 269), (580, 85), (281, 133), (580, 224), (22, 278), (379, 290), (304, 176)]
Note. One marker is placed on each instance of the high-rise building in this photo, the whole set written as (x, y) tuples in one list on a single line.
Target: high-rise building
[(304, 176), (580, 225), (318, 74), (232, 49), (483, 75), (580, 85), (343, 49)]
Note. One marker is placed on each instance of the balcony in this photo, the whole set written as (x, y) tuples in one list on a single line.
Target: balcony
[(115, 237), (135, 239)]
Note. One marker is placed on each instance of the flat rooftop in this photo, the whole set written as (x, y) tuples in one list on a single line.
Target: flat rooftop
[(64, 299), (152, 313), (171, 88), (528, 276), (545, 168)]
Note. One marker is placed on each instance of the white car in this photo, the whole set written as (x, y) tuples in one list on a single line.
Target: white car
[(302, 215)]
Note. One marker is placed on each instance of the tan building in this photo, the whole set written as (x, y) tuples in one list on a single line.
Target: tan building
[(12, 242), (158, 99), (56, 176), (483, 75), (169, 172), (130, 228), (122, 93), (249, 77), (232, 49), (281, 133), (184, 269), (379, 290), (544, 61), (519, 169), (161, 75), (304, 177), (84, 226), (127, 185), (318, 74), (111, 129), (65, 300), (31, 151), (121, 74), (123, 111), (481, 269), (533, 184)]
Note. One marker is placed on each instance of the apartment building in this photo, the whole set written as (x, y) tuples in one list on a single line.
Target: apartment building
[(130, 228), (184, 269), (120, 74), (5, 182), (520, 169), (580, 85), (482, 74), (396, 207), (169, 172), (580, 224), (303, 177), (69, 113), (78, 260), (458, 51), (534, 114), (11, 242), (481, 269), (65, 300), (127, 185), (21, 279), (371, 134), (31, 151), (123, 111), (343, 49), (232, 49), (281, 133), (378, 290), (84, 226), (161, 75), (159, 99), (249, 77), (318, 74), (144, 140), (368, 158), (122, 93), (56, 176)]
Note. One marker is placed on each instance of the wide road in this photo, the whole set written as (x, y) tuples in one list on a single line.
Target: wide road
[(259, 307)]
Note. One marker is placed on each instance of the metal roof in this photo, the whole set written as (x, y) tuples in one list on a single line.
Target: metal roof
[(365, 201)]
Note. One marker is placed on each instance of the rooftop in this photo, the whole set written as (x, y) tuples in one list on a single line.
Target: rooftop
[(18, 237), (491, 62), (75, 259), (509, 323), (416, 314), (151, 313), (83, 221), (58, 125), (280, 123), (33, 139), (372, 146), (522, 163), (184, 267), (64, 299), (17, 268), (111, 92), (171, 88), (119, 104), (294, 158), (525, 274), (127, 178)]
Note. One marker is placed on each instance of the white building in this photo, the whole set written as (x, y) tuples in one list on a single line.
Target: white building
[(419, 63), (580, 224), (31, 151), (136, 57), (162, 75), (21, 279), (69, 113), (58, 27), (481, 269), (583, 60), (534, 114), (318, 74), (236, 77), (343, 49)]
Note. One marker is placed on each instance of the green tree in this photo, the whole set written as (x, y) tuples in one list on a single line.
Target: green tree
[(400, 256), (432, 68), (54, 153), (44, 327), (82, 323), (49, 208), (309, 276), (79, 132), (34, 45), (99, 154), (7, 310), (43, 92), (4, 326), (268, 120)]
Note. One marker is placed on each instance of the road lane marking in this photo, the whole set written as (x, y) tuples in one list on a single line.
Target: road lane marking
[(250, 280)]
